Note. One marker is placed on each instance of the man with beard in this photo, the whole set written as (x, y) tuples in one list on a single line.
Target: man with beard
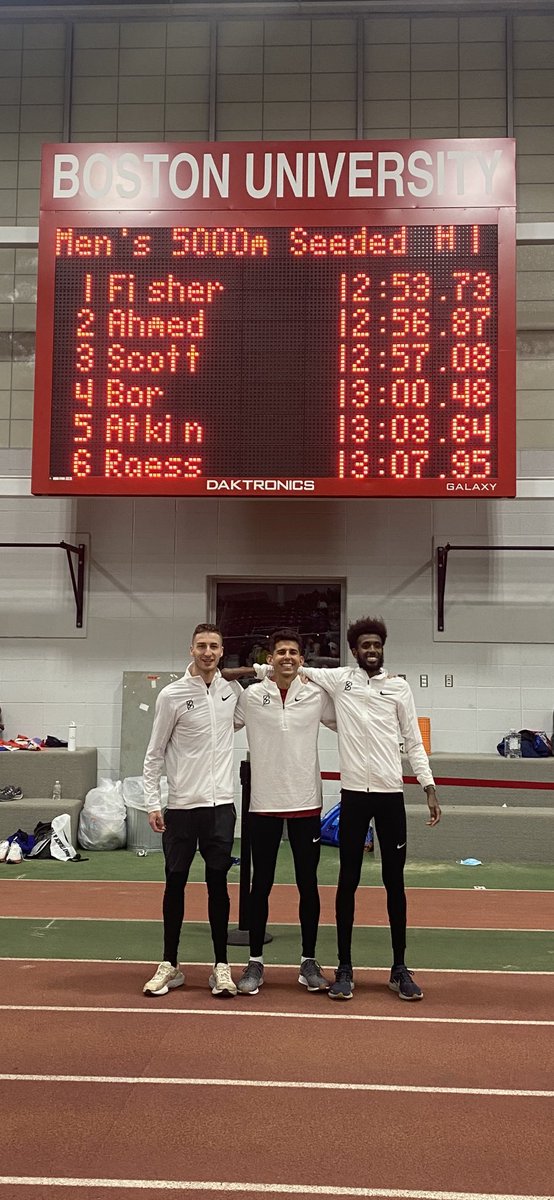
[(372, 710)]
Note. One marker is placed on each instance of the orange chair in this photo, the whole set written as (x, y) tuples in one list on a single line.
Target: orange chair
[(425, 728)]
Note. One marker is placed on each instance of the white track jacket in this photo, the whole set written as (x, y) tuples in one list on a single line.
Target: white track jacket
[(192, 736), (283, 744), (371, 714)]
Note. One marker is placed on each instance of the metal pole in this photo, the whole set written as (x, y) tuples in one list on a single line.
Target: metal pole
[(241, 935)]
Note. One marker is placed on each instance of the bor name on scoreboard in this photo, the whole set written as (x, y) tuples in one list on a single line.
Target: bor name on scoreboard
[(277, 319)]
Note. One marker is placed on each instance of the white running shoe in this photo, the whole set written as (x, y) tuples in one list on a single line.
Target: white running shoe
[(221, 981), (14, 854), (167, 976), (4, 847)]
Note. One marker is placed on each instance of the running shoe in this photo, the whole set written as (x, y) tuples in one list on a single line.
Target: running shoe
[(252, 979), (167, 976), (343, 986), (403, 983), (11, 792), (221, 981), (311, 976), (14, 854)]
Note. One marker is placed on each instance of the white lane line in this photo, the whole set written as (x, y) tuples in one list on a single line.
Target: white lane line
[(141, 962), (290, 924), (335, 1014), (305, 1085), (280, 1189), (287, 1189), (234, 883)]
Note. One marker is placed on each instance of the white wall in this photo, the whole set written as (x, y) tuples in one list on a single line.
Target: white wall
[(150, 561)]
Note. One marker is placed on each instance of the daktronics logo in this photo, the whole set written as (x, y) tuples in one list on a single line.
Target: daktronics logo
[(260, 485)]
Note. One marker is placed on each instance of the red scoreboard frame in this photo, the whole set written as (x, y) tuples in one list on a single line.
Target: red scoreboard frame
[(278, 319)]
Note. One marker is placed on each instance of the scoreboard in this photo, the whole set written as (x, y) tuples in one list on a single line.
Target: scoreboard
[(211, 321)]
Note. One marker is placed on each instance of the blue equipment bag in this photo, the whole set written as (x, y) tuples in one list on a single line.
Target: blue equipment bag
[(330, 829), (535, 743)]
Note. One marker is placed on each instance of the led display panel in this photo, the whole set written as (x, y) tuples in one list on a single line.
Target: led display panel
[(300, 351)]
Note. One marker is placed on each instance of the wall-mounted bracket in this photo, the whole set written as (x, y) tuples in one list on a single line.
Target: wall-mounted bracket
[(77, 578), (442, 564)]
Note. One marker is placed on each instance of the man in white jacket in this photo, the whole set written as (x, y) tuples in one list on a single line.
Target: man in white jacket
[(282, 717), (372, 709), (192, 737)]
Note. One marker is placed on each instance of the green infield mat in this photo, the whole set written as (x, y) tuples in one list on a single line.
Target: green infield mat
[(114, 941), (127, 865)]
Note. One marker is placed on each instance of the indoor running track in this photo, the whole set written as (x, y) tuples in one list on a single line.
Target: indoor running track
[(105, 1091)]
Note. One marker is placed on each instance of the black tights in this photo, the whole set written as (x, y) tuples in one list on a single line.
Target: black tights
[(265, 837), (357, 809), (174, 911)]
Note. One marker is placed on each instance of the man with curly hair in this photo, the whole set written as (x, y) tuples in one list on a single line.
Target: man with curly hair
[(373, 710)]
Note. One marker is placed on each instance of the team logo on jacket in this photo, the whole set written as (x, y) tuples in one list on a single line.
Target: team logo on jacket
[(266, 700), (190, 704), (348, 686)]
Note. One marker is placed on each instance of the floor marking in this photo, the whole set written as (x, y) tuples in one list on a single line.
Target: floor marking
[(333, 1015), (53, 922), (147, 962), (290, 924), (287, 1189), (370, 887), (305, 1085)]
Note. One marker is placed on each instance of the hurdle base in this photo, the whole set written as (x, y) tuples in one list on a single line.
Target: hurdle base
[(241, 937)]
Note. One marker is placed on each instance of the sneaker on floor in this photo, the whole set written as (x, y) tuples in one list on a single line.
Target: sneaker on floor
[(343, 986), (14, 854), (402, 981), (252, 979), (167, 976), (11, 792), (221, 981), (311, 976), (4, 847)]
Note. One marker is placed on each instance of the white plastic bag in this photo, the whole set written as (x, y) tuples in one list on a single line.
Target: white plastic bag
[(102, 820), (60, 843), (133, 792)]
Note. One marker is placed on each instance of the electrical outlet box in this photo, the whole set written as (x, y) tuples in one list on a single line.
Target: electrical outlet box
[(449, 681), (424, 681)]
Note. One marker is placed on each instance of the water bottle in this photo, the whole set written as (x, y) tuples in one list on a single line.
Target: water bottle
[(72, 736), (512, 745), (57, 790)]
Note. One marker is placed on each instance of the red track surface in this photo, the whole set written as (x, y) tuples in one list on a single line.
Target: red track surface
[(380, 1139), (290, 1136), (278, 1049), (490, 1144), (427, 907), (490, 996)]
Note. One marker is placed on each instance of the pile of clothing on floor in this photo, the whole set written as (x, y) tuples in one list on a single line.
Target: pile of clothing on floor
[(49, 839)]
